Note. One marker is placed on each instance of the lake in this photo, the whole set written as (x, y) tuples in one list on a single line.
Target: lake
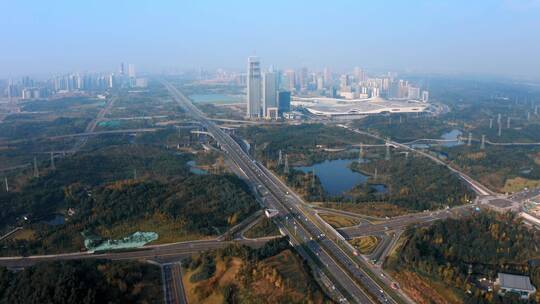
[(335, 175), (216, 98)]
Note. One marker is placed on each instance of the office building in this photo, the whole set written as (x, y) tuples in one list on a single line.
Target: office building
[(414, 93), (254, 88), (284, 102), (131, 71), (517, 284), (425, 96), (269, 92)]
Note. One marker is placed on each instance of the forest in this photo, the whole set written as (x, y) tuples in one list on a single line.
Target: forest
[(82, 281), (412, 182), (302, 143), (458, 252), (113, 196)]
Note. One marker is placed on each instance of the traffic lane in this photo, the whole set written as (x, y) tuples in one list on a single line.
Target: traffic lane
[(161, 251)]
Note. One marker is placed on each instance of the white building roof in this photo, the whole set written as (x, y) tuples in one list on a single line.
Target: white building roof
[(516, 282)]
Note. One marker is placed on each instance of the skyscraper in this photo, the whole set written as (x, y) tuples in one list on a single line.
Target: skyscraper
[(425, 96), (269, 92), (414, 93), (131, 71), (254, 88), (284, 102)]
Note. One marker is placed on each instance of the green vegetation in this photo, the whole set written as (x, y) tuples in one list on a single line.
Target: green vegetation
[(13, 130), (365, 244), (239, 274), (496, 165), (82, 281), (339, 221), (304, 144), (457, 253), (413, 183), (100, 188), (62, 104), (265, 227), (472, 104)]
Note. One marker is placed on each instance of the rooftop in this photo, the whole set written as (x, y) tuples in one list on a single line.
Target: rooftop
[(512, 281)]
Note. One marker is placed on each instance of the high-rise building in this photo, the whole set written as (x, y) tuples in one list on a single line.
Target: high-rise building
[(131, 71), (111, 81), (327, 77), (254, 88), (425, 96), (122, 69), (284, 102), (289, 82), (269, 92), (414, 93)]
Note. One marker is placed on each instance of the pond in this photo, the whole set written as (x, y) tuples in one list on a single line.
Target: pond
[(337, 178), (193, 168), (453, 135), (54, 220)]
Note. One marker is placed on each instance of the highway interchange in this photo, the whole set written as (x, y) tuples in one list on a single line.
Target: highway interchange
[(300, 223)]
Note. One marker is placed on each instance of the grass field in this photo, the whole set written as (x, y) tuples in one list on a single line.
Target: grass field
[(378, 209), (265, 227), (167, 229), (24, 234), (517, 184), (338, 221), (365, 244)]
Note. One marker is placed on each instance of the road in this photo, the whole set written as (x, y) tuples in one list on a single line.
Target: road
[(401, 222), (173, 287), (159, 253), (299, 222)]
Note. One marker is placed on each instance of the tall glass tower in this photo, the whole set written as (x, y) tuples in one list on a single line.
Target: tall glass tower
[(254, 88)]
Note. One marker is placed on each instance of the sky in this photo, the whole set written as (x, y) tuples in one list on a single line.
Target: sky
[(492, 37)]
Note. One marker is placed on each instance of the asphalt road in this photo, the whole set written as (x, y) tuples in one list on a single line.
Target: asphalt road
[(173, 287), (158, 253)]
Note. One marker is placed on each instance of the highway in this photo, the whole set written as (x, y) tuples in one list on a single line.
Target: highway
[(401, 222), (173, 287), (299, 222), (159, 253)]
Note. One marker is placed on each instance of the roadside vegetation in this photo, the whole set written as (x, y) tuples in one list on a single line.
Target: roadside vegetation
[(365, 244), (265, 227), (339, 221), (239, 274)]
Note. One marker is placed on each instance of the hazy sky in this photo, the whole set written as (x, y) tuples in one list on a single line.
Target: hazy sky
[(473, 36)]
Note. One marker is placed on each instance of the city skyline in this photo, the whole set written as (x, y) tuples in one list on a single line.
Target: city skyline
[(494, 38)]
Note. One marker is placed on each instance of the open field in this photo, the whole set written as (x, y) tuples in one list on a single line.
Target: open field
[(338, 221)]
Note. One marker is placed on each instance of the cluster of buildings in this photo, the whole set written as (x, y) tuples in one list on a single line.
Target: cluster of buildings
[(264, 97), (321, 93), (28, 88)]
